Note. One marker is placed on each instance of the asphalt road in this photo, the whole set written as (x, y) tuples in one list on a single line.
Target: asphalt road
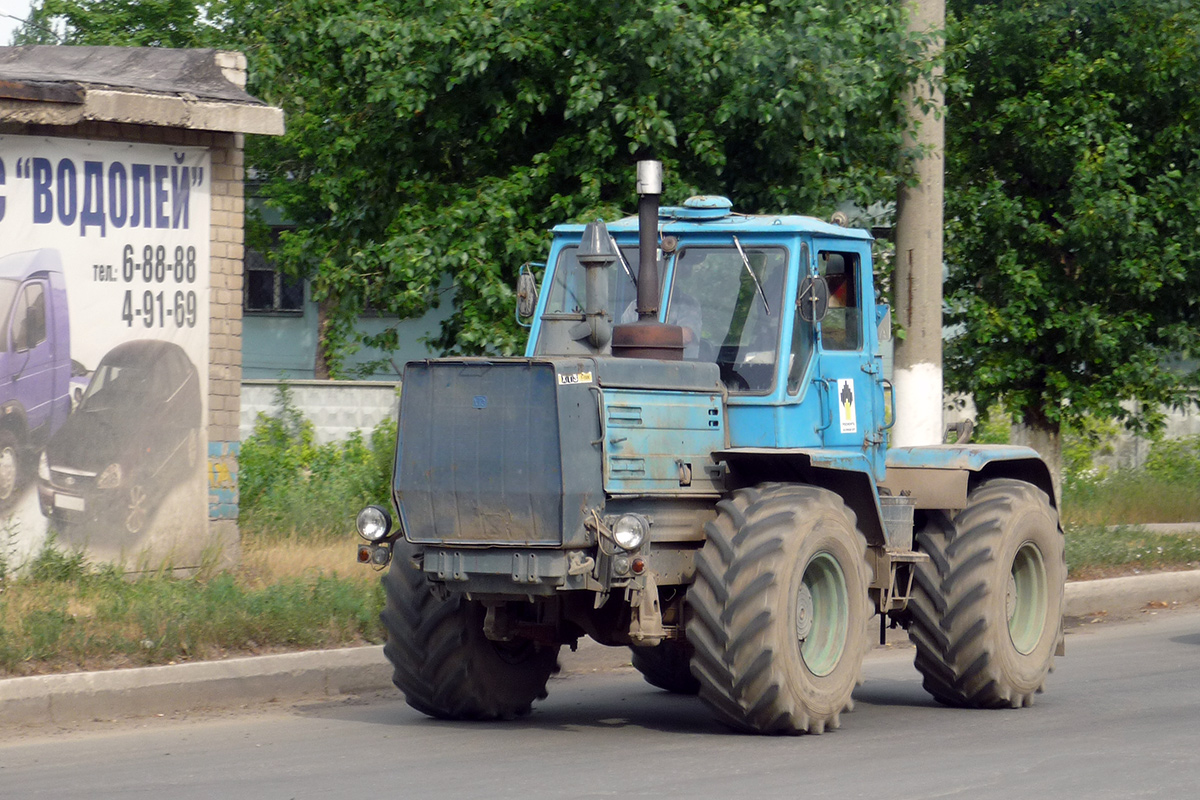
[(1120, 719)]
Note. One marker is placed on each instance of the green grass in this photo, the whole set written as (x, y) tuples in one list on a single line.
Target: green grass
[(1095, 551), (288, 483), (1104, 511), (61, 614), (1130, 497)]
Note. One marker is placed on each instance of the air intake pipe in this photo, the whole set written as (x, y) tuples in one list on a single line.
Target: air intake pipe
[(596, 254)]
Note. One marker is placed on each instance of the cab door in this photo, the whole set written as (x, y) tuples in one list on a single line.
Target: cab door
[(848, 374), (32, 353)]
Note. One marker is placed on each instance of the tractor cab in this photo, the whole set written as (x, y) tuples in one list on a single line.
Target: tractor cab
[(783, 306)]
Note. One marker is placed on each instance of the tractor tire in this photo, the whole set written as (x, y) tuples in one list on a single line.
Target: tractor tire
[(986, 610), (667, 666), (442, 661), (779, 610)]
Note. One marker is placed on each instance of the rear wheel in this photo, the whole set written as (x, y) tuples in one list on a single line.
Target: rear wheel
[(442, 661), (667, 666), (986, 610), (779, 610)]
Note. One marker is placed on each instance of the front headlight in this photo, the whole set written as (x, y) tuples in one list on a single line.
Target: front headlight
[(44, 468), (374, 523), (630, 531), (110, 478)]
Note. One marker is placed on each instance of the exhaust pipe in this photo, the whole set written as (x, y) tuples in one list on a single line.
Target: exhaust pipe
[(648, 338), (649, 189)]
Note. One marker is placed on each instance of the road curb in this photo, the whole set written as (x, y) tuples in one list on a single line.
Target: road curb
[(146, 691), (1130, 594)]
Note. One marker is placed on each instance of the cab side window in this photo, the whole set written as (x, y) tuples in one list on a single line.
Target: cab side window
[(842, 327), (29, 319)]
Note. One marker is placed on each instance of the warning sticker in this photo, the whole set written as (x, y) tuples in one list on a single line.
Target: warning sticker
[(578, 377), (847, 413)]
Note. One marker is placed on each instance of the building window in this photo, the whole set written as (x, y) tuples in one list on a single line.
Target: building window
[(270, 291)]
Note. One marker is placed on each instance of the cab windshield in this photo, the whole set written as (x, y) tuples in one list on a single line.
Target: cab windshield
[(729, 300)]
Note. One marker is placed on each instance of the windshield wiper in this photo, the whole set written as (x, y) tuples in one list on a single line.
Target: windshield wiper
[(753, 277), (621, 258)]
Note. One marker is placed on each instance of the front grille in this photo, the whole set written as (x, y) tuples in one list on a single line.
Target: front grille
[(72, 480), (479, 456)]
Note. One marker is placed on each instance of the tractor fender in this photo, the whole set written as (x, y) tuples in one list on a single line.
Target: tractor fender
[(941, 476), (846, 473)]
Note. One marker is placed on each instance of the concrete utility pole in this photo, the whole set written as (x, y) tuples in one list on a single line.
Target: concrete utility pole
[(918, 272)]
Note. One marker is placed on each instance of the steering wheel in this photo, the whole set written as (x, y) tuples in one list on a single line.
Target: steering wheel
[(733, 380)]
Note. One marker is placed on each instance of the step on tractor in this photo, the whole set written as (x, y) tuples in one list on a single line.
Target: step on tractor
[(692, 460)]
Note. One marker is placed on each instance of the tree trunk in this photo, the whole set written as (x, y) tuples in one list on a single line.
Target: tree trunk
[(1045, 437), (321, 360)]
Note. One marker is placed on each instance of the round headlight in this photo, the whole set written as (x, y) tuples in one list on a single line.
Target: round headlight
[(110, 478), (630, 531), (374, 523)]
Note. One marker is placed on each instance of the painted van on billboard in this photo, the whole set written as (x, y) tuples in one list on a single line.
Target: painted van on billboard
[(35, 360)]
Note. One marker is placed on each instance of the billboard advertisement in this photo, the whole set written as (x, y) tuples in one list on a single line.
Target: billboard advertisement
[(104, 320)]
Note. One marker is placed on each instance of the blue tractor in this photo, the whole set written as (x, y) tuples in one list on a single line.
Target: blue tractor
[(692, 460)]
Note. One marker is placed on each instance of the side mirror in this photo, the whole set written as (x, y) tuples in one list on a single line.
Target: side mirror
[(527, 294), (812, 301), (884, 315)]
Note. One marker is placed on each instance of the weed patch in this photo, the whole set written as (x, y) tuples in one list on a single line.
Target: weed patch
[(62, 614), (290, 484), (1165, 489), (1095, 551)]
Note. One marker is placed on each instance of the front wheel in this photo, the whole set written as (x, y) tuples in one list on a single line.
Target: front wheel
[(986, 610), (442, 661), (779, 610), (10, 466), (137, 508)]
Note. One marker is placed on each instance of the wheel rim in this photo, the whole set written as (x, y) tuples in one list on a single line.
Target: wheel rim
[(136, 516), (822, 614), (8, 472), (1026, 598)]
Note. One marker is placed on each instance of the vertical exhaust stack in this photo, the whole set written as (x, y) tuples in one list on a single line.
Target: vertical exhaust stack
[(648, 338)]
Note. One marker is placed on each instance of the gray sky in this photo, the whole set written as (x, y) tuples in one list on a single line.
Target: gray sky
[(12, 8)]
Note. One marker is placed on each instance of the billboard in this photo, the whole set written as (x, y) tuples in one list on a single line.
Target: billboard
[(104, 320)]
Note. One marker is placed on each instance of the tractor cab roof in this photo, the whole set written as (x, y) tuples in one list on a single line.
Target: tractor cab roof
[(714, 214)]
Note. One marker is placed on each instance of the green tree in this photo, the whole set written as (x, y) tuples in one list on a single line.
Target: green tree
[(129, 23), (1073, 195), (438, 140), (430, 143)]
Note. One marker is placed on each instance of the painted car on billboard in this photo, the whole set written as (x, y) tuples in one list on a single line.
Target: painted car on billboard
[(35, 360), (135, 434)]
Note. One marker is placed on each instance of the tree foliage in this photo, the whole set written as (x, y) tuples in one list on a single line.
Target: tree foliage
[(1073, 206), (438, 140), (430, 143), (128, 23)]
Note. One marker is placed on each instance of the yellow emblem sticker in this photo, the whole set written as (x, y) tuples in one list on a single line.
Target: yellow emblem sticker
[(578, 377)]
